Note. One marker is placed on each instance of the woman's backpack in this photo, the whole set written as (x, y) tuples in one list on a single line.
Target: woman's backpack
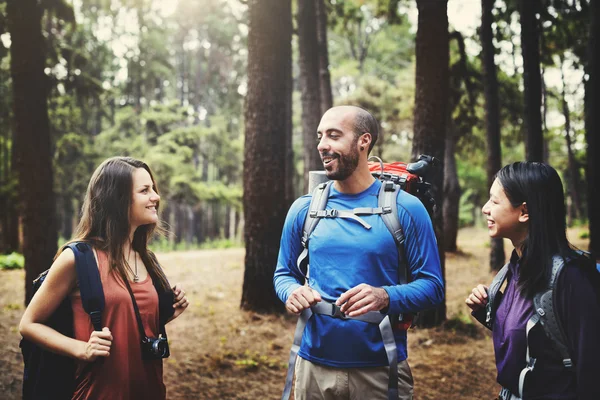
[(545, 307), (48, 375)]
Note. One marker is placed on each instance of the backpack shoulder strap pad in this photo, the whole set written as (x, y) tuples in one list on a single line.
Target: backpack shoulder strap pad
[(318, 202), (493, 290), (545, 306), (90, 285), (165, 297), (387, 200)]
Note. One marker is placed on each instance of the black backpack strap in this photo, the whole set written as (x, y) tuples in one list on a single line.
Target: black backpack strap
[(545, 306), (387, 201), (546, 316), (90, 285), (493, 292), (317, 203), (166, 298)]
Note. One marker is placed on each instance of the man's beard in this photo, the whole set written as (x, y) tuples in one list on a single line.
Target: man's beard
[(346, 164)]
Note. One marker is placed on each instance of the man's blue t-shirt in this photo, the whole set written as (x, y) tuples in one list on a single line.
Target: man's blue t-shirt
[(344, 254)]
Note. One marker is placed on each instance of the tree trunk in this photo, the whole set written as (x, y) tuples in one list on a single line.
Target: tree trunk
[(324, 76), (198, 226), (9, 217), (592, 126), (492, 117), (291, 178), (189, 232), (545, 144), (266, 123), (451, 189), (232, 223), (309, 84), (575, 210), (179, 222), (13, 208), (172, 218), (32, 138), (216, 222), (431, 102), (532, 80)]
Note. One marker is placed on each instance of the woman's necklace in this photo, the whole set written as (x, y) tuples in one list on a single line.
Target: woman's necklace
[(136, 277)]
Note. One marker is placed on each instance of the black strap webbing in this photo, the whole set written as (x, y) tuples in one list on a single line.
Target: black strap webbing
[(137, 311), (388, 194), (90, 285), (318, 202)]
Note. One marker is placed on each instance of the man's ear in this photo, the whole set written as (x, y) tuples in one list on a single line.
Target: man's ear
[(524, 216), (364, 141)]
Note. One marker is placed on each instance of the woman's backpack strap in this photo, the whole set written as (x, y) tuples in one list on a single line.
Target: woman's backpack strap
[(90, 285), (166, 298), (493, 296), (545, 307)]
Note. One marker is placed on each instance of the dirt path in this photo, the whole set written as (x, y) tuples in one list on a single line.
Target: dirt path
[(220, 352)]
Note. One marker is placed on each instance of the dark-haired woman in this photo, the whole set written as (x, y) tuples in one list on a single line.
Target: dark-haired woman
[(120, 214), (527, 207)]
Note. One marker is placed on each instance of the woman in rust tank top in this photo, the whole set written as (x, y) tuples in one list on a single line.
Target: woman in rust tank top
[(120, 215)]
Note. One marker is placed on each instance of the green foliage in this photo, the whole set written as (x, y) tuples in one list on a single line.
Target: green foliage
[(220, 244), (255, 360), (163, 245), (168, 89), (462, 325), (371, 58), (13, 307), (472, 176), (466, 209), (12, 261)]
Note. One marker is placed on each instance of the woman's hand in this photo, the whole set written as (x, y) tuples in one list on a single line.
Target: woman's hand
[(180, 302), (98, 345), (478, 298)]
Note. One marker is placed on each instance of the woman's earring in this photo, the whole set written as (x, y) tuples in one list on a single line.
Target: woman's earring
[(361, 148)]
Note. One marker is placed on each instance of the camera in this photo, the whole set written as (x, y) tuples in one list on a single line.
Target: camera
[(155, 348)]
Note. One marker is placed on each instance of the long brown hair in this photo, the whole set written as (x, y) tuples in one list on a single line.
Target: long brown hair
[(105, 220)]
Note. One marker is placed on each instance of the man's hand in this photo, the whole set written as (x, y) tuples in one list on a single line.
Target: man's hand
[(301, 299), (361, 299)]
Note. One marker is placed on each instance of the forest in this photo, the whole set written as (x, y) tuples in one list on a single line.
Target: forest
[(222, 99)]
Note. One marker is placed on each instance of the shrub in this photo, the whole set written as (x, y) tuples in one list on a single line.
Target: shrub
[(12, 261)]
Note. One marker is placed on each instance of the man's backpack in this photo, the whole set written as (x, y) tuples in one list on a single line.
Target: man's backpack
[(395, 177), (48, 375), (545, 305)]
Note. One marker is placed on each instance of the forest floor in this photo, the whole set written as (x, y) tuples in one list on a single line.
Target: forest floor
[(221, 352)]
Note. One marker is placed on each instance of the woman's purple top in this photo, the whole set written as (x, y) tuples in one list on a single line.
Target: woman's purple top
[(578, 309)]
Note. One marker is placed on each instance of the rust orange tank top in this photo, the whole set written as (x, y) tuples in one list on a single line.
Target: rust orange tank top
[(122, 375)]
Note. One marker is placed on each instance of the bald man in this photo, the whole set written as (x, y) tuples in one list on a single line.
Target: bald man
[(355, 269)]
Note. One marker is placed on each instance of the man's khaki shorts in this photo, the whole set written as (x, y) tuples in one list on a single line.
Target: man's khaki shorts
[(315, 381)]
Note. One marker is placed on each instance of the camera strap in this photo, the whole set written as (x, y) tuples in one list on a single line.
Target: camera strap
[(137, 311)]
